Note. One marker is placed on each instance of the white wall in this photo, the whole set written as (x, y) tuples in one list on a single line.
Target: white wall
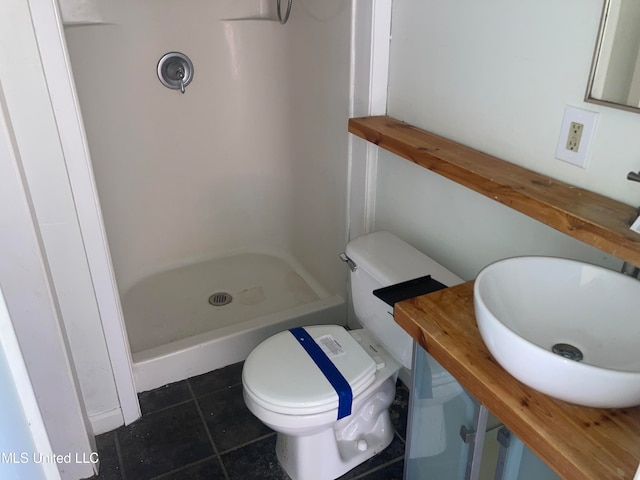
[(317, 105), (15, 436), (496, 76), (43, 165), (223, 167), (183, 177), (23, 433)]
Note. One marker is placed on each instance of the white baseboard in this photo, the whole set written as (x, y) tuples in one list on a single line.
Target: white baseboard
[(106, 421)]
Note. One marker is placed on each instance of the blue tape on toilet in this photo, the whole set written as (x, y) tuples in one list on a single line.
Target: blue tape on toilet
[(330, 371)]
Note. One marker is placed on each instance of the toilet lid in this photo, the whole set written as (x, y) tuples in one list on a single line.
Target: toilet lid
[(282, 377)]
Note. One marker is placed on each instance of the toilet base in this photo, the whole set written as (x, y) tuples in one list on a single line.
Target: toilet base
[(334, 451)]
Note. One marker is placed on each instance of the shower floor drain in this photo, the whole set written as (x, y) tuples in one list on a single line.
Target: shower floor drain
[(220, 298)]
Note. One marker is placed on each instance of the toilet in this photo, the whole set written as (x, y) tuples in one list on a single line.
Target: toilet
[(325, 390)]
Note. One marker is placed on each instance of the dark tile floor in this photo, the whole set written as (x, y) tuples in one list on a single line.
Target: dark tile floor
[(199, 428)]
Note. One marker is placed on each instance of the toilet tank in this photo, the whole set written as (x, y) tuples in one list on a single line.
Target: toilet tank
[(383, 259)]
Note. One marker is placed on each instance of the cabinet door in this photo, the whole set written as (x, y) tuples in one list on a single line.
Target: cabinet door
[(435, 448), (451, 436)]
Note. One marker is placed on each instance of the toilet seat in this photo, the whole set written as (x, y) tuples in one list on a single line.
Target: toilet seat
[(280, 375)]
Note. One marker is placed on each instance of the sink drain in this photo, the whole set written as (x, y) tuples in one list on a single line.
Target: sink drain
[(220, 298), (567, 351)]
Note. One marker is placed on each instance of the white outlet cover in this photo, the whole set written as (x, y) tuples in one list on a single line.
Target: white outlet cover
[(586, 118)]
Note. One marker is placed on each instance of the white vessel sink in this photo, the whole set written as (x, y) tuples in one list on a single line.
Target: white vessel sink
[(526, 307)]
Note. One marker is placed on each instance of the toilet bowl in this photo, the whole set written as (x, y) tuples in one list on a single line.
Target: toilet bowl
[(290, 395), (326, 391)]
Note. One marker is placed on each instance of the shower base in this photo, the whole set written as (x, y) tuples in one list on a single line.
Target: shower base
[(176, 332)]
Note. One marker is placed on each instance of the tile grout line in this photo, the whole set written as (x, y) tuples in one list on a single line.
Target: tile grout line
[(255, 440), (171, 473), (116, 441), (206, 429), (217, 390), (364, 475), (162, 409)]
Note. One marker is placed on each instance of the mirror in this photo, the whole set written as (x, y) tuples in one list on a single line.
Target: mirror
[(615, 72)]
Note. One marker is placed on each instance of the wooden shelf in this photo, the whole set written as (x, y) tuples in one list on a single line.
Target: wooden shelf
[(594, 219), (579, 443)]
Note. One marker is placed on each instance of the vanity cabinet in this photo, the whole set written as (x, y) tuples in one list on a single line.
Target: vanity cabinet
[(460, 439), (578, 443)]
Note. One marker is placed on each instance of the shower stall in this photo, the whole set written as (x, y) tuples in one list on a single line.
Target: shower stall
[(225, 204)]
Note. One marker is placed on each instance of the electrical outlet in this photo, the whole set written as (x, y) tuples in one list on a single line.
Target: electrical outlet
[(575, 137)]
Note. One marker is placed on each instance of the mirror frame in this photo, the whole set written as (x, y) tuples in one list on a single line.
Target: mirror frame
[(594, 64)]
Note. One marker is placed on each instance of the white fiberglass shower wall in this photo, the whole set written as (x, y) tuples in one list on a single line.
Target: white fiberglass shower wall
[(250, 161)]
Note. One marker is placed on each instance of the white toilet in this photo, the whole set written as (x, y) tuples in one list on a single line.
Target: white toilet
[(326, 391)]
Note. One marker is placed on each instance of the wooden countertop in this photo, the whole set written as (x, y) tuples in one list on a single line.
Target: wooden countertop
[(587, 216), (579, 443)]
